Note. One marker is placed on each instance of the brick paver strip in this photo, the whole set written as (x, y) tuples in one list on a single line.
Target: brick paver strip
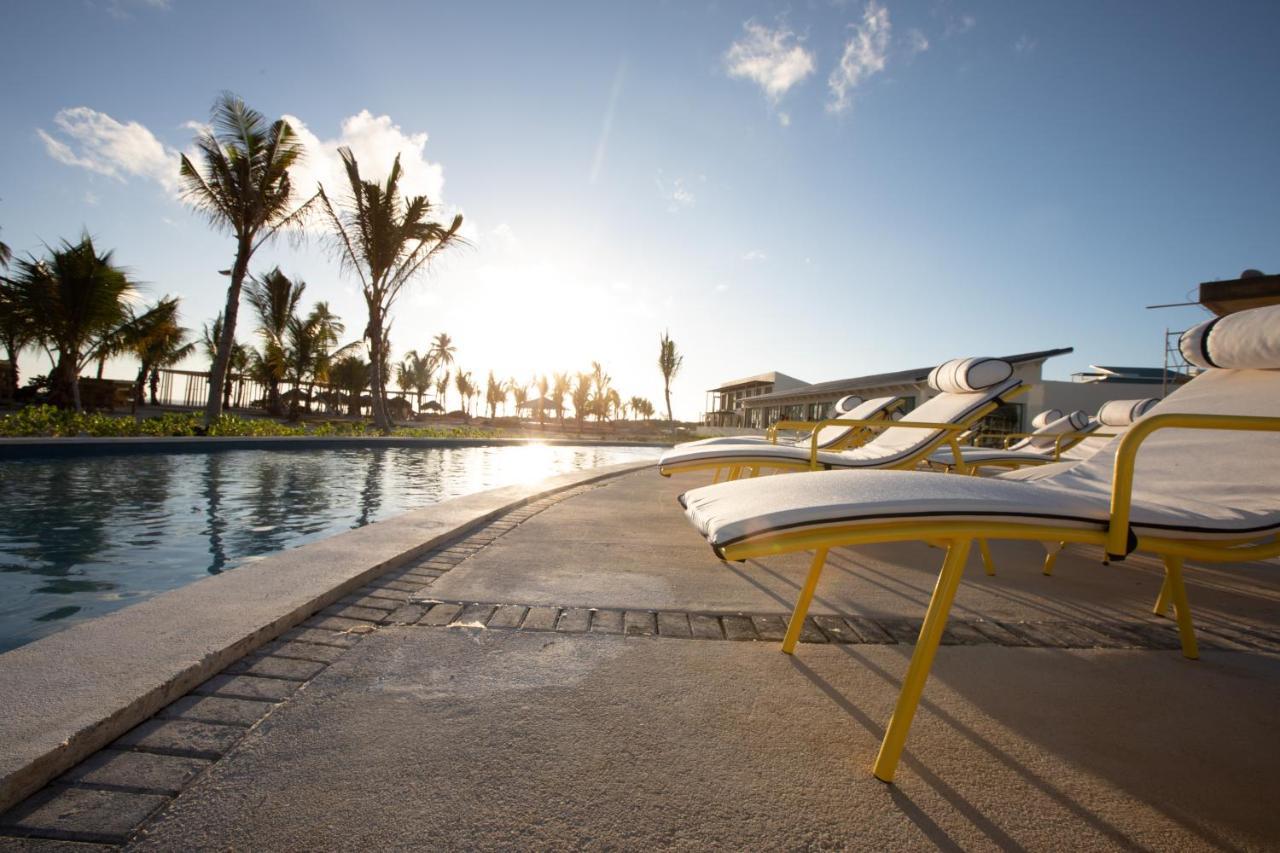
[(474, 615), (541, 618), (217, 709), (290, 669), (355, 611), (705, 627), (959, 633), (247, 687), (137, 772), (998, 633), (321, 637), (770, 627), (407, 614), (607, 622), (902, 630), (868, 630), (508, 616), (181, 737), (835, 629), (739, 628), (398, 586), (304, 651), (639, 623), (811, 633), (441, 614), (373, 601), (574, 620), (672, 624), (81, 814), (336, 623), (370, 591)]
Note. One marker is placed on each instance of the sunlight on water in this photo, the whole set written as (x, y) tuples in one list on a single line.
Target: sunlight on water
[(83, 537)]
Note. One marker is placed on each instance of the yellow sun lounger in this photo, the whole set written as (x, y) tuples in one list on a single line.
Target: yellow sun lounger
[(844, 429), (1198, 477), (969, 389)]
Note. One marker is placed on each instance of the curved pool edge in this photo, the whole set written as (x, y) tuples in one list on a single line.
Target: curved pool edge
[(54, 448), (71, 693)]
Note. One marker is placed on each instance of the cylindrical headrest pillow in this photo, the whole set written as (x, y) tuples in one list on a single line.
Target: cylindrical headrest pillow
[(1079, 420), (963, 375), (1046, 417), (1122, 413), (1246, 340), (846, 404)]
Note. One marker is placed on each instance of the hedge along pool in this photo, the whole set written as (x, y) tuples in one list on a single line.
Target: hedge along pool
[(85, 535)]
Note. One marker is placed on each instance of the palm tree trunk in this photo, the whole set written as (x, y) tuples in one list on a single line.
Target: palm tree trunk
[(666, 389), (377, 342), (65, 385), (217, 376)]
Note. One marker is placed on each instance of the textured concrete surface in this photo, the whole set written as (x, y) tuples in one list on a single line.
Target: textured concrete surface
[(627, 545), (464, 738), (72, 693)]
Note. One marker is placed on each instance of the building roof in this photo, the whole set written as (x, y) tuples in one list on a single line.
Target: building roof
[(773, 377), (1112, 374), (1251, 290), (899, 377)]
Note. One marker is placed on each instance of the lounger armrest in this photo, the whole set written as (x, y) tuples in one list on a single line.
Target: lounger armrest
[(780, 426), (1120, 541), (875, 423)]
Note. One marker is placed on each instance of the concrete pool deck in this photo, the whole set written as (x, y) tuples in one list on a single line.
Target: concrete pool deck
[(567, 678)]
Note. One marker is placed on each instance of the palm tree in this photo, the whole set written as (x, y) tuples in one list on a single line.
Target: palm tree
[(669, 362), (415, 372), (78, 303), (242, 185), (158, 341), (641, 407), (387, 240), (350, 374), (274, 298), (581, 398), (519, 392), (442, 386), (600, 400), (559, 389), (236, 365), (615, 404), (17, 330), (465, 388), (309, 352), (442, 349), (542, 386)]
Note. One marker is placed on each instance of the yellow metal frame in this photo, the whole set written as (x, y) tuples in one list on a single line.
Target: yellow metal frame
[(755, 464), (958, 536)]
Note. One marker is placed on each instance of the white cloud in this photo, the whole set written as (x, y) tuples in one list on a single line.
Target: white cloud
[(917, 42), (91, 198), (1025, 44), (754, 256), (375, 141), (677, 195), (957, 25), (772, 59), (864, 55), (784, 119), (95, 141)]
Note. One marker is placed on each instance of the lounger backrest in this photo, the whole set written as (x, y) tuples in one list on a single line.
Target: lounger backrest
[(1045, 418), (1045, 437), (1235, 471), (950, 406), (1113, 418), (863, 411)]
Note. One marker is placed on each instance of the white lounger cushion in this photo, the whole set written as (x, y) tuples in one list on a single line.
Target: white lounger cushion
[(1046, 437), (1246, 340), (1045, 418), (890, 446), (865, 410), (1032, 450), (964, 375), (1123, 413), (1189, 483)]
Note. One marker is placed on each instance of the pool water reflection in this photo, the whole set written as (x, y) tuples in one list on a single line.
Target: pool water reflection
[(81, 537)]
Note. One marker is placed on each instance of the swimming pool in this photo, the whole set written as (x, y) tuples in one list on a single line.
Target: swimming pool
[(82, 536)]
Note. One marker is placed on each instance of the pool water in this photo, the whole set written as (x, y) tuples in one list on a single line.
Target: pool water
[(81, 537)]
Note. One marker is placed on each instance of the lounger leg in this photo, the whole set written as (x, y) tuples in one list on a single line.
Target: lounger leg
[(1162, 600), (1178, 592), (944, 592), (987, 563), (802, 603), (734, 471), (716, 478), (1052, 557)]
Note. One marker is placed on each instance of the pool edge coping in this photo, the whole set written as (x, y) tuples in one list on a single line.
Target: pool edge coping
[(72, 693)]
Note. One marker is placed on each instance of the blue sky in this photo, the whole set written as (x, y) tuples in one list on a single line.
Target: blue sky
[(826, 189)]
